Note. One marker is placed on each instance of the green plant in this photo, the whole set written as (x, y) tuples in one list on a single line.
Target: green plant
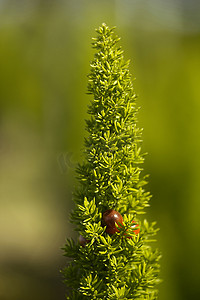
[(116, 264)]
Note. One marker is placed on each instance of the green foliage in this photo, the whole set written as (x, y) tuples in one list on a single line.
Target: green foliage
[(117, 266)]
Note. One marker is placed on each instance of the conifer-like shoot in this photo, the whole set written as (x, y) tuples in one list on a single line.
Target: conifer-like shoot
[(113, 257)]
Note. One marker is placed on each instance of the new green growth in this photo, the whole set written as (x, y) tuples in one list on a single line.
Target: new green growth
[(122, 265)]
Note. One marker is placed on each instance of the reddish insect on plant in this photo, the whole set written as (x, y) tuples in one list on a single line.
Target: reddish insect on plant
[(110, 217)]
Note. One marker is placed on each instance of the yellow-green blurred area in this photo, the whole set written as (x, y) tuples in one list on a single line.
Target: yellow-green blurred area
[(45, 51)]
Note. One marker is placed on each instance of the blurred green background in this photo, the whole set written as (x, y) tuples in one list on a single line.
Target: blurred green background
[(45, 51)]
